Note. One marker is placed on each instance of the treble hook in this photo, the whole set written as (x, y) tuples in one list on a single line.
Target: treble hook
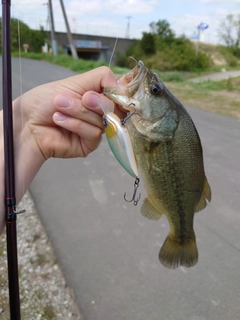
[(123, 121), (134, 200)]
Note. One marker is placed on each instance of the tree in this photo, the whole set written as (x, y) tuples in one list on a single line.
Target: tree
[(160, 49), (162, 29), (148, 43), (37, 39), (229, 33), (237, 28), (226, 30), (21, 32)]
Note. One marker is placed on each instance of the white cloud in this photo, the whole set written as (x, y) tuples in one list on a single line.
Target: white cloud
[(220, 1), (114, 6), (28, 3), (131, 6), (81, 8), (188, 23), (104, 17)]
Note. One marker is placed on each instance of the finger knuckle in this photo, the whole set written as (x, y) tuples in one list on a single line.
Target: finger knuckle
[(104, 69), (82, 110)]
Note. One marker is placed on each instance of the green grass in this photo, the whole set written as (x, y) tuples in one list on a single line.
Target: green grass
[(221, 97), (67, 61), (231, 84), (81, 66), (171, 76), (48, 313)]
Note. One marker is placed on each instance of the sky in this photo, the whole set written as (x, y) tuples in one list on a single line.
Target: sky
[(112, 17)]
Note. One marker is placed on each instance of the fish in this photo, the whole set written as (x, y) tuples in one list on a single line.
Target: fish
[(118, 139), (169, 157)]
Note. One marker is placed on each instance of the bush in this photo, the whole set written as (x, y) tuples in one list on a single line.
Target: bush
[(164, 51), (135, 51), (229, 56), (180, 56), (122, 60), (148, 43), (34, 38)]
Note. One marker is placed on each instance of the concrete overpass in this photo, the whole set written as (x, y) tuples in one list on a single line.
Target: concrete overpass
[(102, 52)]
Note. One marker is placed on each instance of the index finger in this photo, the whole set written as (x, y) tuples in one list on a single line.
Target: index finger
[(94, 80)]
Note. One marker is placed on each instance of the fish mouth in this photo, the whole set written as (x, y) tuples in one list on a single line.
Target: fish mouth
[(132, 80), (129, 85)]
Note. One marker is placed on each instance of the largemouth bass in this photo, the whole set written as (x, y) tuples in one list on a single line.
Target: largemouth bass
[(169, 157)]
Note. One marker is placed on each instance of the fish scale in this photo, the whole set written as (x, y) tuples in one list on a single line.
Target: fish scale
[(169, 158), (170, 192)]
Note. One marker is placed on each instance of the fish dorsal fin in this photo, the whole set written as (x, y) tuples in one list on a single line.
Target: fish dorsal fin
[(149, 211), (205, 197)]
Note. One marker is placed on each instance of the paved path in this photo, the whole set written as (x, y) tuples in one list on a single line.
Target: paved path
[(109, 252), (218, 76)]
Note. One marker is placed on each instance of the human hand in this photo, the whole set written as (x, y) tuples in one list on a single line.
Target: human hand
[(60, 119), (63, 119)]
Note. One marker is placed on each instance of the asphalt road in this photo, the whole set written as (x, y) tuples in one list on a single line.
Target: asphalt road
[(109, 252)]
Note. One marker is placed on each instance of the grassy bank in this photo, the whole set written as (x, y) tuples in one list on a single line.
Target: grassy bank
[(67, 61), (221, 97)]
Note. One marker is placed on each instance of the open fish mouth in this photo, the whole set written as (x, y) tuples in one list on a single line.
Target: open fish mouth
[(132, 80), (129, 85)]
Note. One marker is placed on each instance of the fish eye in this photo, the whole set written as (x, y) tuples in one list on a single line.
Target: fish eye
[(156, 89)]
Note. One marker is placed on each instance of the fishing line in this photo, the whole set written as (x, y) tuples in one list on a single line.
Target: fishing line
[(20, 57), (111, 57), (114, 48), (21, 93)]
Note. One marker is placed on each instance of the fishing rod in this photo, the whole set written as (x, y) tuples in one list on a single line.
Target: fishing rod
[(10, 199)]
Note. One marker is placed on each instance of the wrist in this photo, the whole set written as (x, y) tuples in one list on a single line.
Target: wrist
[(28, 158)]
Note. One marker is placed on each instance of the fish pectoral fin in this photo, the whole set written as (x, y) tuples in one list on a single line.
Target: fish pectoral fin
[(149, 211), (205, 197)]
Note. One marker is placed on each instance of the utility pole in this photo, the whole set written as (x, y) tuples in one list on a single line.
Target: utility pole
[(70, 39), (53, 39), (128, 27), (48, 19)]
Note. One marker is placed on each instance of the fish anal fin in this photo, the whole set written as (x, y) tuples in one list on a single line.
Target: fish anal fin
[(174, 254), (205, 197), (149, 211)]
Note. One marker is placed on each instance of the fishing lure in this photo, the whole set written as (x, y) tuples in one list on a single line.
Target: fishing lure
[(120, 143)]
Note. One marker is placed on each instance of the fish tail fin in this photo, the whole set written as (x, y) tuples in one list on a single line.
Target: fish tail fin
[(174, 254)]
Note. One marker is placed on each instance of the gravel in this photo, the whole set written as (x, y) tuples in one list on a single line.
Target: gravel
[(44, 293)]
